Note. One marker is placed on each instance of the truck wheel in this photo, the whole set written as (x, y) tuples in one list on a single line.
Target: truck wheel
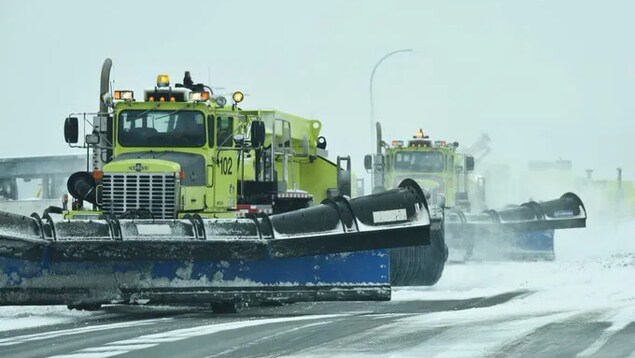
[(84, 307), (224, 307), (419, 265)]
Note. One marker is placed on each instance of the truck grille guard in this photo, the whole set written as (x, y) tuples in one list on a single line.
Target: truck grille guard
[(156, 192)]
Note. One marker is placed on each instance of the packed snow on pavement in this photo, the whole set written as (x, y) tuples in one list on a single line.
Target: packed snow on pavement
[(591, 272)]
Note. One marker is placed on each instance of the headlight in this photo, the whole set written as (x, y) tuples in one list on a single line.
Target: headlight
[(199, 96), (124, 96), (221, 101), (238, 97)]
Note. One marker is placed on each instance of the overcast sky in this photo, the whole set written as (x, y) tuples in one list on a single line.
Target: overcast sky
[(545, 79)]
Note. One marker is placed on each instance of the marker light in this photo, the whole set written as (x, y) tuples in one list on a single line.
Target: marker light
[(221, 101), (238, 97), (151, 99), (199, 96), (98, 174), (163, 81), (124, 95)]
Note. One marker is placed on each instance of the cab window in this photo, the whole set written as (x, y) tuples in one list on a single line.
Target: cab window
[(161, 128), (210, 130), (224, 132)]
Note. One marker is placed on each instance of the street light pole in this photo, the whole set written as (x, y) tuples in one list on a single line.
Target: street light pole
[(372, 76), (372, 103)]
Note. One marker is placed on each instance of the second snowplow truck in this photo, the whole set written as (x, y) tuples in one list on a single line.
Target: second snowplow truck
[(191, 199), (517, 231)]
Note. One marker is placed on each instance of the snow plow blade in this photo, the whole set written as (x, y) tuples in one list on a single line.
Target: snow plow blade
[(85, 263), (524, 232), (395, 218), (391, 219), (564, 213)]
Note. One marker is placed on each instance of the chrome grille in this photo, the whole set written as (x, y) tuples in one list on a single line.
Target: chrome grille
[(156, 192)]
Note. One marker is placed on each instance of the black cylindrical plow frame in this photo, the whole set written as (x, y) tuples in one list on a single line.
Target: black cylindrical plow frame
[(568, 211), (394, 218)]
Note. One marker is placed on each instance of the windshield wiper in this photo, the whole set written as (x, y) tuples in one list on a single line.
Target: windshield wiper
[(144, 112), (171, 113)]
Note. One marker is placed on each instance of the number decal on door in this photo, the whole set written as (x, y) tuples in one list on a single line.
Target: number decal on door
[(226, 166)]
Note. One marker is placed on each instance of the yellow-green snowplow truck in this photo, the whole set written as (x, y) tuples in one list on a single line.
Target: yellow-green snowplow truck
[(472, 229), (190, 198)]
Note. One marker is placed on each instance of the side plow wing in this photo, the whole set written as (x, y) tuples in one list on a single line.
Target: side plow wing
[(523, 232), (391, 219), (564, 213)]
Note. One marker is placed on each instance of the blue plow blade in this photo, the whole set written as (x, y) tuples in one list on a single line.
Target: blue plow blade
[(517, 232), (361, 275), (534, 245)]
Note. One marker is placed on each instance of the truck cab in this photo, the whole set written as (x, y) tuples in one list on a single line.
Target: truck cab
[(183, 150), (437, 166)]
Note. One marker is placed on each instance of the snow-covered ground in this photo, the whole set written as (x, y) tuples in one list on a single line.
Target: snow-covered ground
[(591, 265), (594, 271), (19, 317), (601, 282)]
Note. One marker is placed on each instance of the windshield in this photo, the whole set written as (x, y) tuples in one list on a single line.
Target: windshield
[(426, 162), (161, 128)]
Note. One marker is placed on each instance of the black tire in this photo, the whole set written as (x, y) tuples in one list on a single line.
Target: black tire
[(224, 307), (84, 307), (419, 265)]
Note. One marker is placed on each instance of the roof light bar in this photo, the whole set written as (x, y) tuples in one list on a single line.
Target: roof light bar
[(124, 95)]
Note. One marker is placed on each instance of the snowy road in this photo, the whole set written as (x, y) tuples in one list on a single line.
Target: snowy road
[(564, 309)]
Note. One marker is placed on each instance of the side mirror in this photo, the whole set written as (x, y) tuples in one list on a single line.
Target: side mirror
[(368, 162), (321, 142), (469, 163), (257, 134), (71, 130)]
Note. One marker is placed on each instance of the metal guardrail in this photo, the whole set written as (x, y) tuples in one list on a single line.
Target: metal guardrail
[(51, 169)]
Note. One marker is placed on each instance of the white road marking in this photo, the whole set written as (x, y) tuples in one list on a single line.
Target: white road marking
[(114, 348), (67, 332), (388, 315), (90, 355), (151, 340), (134, 341)]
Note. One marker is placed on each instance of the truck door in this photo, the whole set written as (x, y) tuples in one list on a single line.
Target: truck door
[(225, 165)]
